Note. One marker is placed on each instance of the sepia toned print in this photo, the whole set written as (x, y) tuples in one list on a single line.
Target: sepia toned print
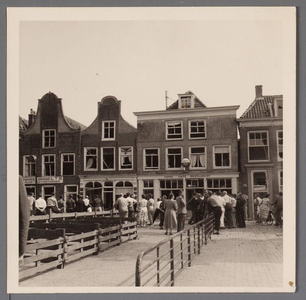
[(155, 150)]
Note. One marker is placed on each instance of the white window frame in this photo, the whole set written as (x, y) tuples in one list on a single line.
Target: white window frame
[(144, 160), (166, 160), (66, 193), (62, 163), (43, 138), (191, 101), (278, 145), (113, 169), (167, 134), (189, 130), (103, 133), (43, 164), (132, 160), (205, 157), (280, 180), (230, 157), (24, 166), (85, 155), (268, 145)]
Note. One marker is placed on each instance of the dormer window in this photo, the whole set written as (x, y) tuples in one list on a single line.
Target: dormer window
[(186, 101), (278, 108)]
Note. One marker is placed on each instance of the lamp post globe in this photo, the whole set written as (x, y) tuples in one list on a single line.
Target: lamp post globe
[(185, 163)]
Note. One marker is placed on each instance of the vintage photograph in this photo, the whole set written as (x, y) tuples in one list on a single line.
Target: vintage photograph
[(153, 148)]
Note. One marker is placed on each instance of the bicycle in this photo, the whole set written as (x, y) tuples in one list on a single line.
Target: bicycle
[(270, 218)]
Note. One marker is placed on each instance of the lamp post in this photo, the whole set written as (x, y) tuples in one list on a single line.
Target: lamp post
[(185, 163)]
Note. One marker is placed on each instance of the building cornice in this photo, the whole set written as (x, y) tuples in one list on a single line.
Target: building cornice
[(262, 122), (186, 113)]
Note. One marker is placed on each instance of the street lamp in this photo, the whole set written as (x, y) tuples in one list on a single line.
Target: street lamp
[(185, 163)]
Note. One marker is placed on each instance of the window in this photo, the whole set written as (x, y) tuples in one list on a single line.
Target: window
[(126, 158), (279, 144), (49, 138), (278, 108), (222, 157), (148, 187), (151, 159), (196, 183), (71, 190), (68, 164), (170, 186), (91, 156), (260, 182), (49, 165), (280, 176), (108, 158), (197, 157), (220, 185), (258, 146), (197, 129), (174, 158), (47, 191), (185, 102), (108, 130), (174, 130), (29, 166)]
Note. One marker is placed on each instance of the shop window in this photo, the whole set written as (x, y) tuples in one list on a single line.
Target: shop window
[(48, 165), (108, 158), (220, 184), (174, 130), (91, 157), (151, 159), (68, 164), (126, 158), (197, 129), (174, 158), (47, 191), (258, 145), (280, 176), (71, 190), (260, 182), (108, 130), (222, 156), (197, 157), (49, 136)]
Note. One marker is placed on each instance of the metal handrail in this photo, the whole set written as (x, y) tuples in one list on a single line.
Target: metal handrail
[(196, 236)]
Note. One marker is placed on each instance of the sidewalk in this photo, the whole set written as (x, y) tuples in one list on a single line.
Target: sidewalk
[(241, 257)]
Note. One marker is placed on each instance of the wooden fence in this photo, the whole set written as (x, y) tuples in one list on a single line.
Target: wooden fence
[(54, 244)]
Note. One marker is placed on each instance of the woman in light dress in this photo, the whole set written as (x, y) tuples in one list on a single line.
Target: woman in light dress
[(264, 209), (170, 220), (143, 211)]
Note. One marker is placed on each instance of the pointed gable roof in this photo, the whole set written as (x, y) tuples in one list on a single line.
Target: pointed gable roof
[(259, 108), (197, 102)]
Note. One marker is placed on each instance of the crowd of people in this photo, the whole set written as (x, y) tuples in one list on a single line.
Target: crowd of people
[(230, 211), (264, 206), (40, 206)]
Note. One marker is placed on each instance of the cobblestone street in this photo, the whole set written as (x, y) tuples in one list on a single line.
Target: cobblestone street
[(240, 257)]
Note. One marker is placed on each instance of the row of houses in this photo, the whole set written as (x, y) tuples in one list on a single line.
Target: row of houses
[(188, 146)]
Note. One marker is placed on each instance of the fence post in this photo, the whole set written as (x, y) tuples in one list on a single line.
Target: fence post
[(157, 266), (172, 261), (137, 273), (199, 239), (182, 253), (189, 248)]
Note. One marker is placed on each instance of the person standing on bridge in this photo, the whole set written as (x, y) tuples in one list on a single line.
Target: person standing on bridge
[(122, 205), (170, 214), (181, 211), (143, 211)]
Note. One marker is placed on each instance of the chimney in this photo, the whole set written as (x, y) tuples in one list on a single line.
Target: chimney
[(258, 91), (31, 117)]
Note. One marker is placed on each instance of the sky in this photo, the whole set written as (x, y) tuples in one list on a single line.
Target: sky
[(221, 61)]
